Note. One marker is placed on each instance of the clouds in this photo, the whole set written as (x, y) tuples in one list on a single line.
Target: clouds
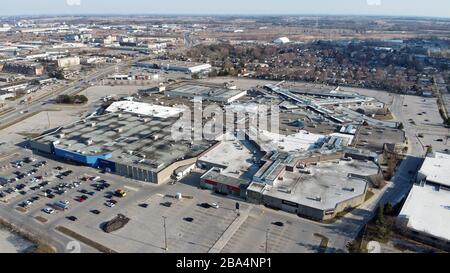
[(333, 7)]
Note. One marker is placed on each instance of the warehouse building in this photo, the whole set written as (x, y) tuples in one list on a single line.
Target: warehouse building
[(131, 142)]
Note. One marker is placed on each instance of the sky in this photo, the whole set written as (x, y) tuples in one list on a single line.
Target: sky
[(426, 8)]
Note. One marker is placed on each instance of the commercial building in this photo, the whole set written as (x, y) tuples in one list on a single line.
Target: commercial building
[(282, 41), (426, 212), (231, 166), (316, 184), (425, 215), (131, 140), (435, 170), (185, 67), (313, 187), (68, 62), (214, 93)]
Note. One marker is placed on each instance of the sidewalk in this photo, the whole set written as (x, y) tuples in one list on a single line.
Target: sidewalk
[(229, 232)]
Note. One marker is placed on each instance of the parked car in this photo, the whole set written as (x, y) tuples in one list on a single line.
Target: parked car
[(109, 204), (48, 210), (166, 204), (280, 224), (72, 218)]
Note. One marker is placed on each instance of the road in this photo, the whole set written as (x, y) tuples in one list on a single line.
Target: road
[(414, 142), (399, 186), (37, 105)]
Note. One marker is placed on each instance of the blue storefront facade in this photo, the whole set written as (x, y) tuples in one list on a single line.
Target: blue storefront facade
[(90, 160)]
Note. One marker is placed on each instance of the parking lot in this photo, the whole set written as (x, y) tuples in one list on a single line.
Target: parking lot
[(423, 118), (192, 225)]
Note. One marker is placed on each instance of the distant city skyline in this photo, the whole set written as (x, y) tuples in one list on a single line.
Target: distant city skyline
[(420, 8)]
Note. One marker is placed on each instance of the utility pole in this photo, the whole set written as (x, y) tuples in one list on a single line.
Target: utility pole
[(165, 234), (267, 240)]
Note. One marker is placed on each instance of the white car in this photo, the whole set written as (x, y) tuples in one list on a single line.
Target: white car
[(109, 204), (48, 210), (65, 202), (214, 205)]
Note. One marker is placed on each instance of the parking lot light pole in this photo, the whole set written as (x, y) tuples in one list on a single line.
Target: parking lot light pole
[(165, 234), (267, 240)]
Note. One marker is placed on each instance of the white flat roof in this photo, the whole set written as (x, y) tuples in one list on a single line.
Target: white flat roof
[(327, 180), (436, 169), (145, 109), (301, 141), (236, 155), (428, 211)]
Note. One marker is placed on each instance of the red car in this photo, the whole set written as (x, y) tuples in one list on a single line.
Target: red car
[(81, 199)]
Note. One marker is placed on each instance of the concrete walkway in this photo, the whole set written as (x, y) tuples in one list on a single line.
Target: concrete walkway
[(229, 232)]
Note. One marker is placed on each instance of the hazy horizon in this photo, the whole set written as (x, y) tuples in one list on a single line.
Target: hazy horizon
[(401, 8)]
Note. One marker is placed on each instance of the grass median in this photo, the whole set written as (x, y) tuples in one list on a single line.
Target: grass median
[(84, 240)]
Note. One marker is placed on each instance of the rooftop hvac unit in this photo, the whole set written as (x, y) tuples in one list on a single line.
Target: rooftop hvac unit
[(93, 124)]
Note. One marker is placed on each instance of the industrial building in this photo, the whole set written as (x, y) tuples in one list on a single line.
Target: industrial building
[(207, 93), (169, 65), (130, 140), (24, 67), (426, 212)]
